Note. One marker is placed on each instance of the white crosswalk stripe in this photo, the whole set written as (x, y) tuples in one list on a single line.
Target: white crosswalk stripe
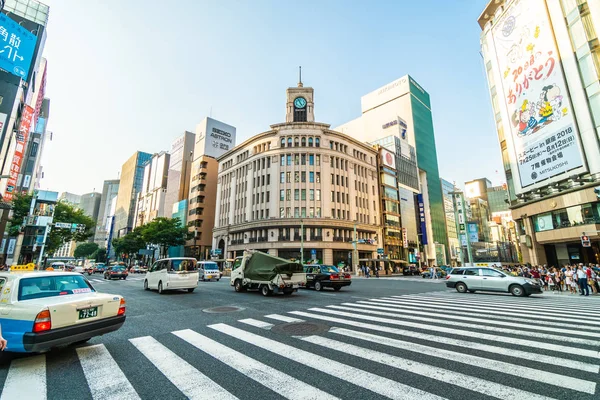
[(443, 339)]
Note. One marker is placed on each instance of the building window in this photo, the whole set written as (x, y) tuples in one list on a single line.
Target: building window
[(310, 142), (318, 160), (296, 142), (296, 159), (289, 142), (289, 160), (303, 194), (303, 179), (311, 194), (297, 176), (282, 160), (303, 212), (281, 195), (311, 212), (318, 198), (311, 177), (288, 195), (318, 177), (318, 213), (288, 212), (303, 142), (281, 212), (303, 159), (317, 142), (282, 142), (296, 212), (282, 177), (296, 194), (288, 177), (311, 159)]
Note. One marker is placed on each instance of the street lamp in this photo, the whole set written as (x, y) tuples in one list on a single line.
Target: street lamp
[(302, 241)]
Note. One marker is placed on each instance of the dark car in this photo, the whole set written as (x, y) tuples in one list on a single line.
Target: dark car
[(116, 272), (320, 276), (410, 270), (100, 268)]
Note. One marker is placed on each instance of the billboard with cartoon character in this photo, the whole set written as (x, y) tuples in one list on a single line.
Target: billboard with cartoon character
[(544, 134)]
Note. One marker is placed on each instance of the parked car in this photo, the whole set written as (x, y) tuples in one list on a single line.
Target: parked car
[(471, 279), (116, 272), (49, 309), (320, 276), (208, 270), (172, 274), (410, 270)]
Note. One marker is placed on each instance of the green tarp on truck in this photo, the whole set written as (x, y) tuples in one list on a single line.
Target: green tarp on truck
[(264, 267)]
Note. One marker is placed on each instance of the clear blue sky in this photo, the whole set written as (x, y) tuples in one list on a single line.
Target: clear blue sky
[(134, 74)]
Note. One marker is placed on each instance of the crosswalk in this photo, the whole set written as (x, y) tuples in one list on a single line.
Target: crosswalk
[(436, 345), (100, 281)]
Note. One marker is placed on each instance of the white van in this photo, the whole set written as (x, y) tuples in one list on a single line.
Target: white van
[(172, 274), (208, 270)]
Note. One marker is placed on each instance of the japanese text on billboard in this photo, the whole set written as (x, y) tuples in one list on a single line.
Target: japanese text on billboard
[(15, 167), (17, 45), (422, 219)]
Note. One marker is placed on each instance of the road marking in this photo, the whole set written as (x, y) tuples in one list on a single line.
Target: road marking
[(97, 362), (478, 335), (446, 376), (327, 294), (191, 382), (480, 310), (375, 383), (552, 360), (460, 317), (283, 318), (537, 375), (256, 323), (587, 342), (279, 382), (26, 379)]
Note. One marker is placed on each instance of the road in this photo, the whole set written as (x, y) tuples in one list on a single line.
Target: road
[(400, 338)]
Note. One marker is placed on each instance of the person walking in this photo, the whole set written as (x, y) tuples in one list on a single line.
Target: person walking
[(583, 282), (569, 279), (544, 277)]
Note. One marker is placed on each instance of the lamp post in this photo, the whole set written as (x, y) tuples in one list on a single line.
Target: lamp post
[(302, 241)]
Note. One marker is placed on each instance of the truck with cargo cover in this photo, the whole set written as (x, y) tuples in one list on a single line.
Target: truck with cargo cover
[(267, 273)]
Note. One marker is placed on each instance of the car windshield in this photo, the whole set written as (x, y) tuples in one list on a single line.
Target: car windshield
[(210, 266), (50, 286), (329, 268), (183, 265), (117, 268)]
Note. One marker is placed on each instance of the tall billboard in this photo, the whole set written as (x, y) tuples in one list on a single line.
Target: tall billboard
[(17, 46), (545, 139), (388, 158), (213, 138), (21, 142)]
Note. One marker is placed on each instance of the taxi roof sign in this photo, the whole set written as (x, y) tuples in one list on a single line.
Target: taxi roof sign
[(22, 268)]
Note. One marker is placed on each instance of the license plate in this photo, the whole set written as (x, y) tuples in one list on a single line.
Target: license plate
[(88, 313), (209, 276)]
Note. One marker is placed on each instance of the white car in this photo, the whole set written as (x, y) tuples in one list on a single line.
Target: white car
[(42, 310), (172, 274), (79, 270), (208, 270)]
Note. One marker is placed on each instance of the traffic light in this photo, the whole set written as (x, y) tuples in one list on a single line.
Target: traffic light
[(585, 241)]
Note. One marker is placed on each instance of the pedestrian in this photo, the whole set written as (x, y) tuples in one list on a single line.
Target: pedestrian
[(367, 271), (377, 271), (583, 282), (544, 277), (569, 279), (434, 274)]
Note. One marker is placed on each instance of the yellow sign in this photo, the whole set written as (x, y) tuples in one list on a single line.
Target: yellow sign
[(27, 267)]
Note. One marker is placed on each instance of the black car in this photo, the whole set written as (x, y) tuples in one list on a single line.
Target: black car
[(320, 276), (116, 272)]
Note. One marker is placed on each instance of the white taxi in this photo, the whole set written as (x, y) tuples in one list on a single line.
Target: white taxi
[(42, 310)]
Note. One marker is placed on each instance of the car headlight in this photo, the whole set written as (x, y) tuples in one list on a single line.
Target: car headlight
[(530, 282)]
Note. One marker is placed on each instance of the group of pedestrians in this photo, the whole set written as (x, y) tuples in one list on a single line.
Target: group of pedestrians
[(572, 278)]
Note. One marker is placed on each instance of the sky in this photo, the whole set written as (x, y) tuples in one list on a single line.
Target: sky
[(128, 75)]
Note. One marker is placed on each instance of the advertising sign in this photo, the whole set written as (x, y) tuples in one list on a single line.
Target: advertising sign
[(11, 246), (388, 158), (422, 219), (15, 167), (472, 190), (26, 181), (404, 238), (544, 136), (473, 232), (17, 45), (214, 138)]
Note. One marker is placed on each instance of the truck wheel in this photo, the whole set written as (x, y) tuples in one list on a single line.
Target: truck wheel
[(238, 285), (265, 290), (318, 286)]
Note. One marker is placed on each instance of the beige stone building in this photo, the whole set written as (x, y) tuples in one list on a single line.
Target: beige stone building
[(298, 186)]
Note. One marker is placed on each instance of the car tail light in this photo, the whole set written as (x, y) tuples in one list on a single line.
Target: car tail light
[(121, 307), (347, 276), (42, 322), (447, 276), (334, 276)]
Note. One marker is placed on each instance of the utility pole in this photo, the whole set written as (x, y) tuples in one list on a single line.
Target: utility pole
[(302, 241), (355, 251)]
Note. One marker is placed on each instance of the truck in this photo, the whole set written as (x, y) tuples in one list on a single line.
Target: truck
[(267, 273)]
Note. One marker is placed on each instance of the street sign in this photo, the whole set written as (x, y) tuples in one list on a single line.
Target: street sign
[(62, 225), (585, 241), (380, 251), (217, 252)]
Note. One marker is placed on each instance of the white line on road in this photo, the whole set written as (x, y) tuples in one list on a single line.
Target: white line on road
[(478, 335), (191, 382), (520, 332), (283, 318), (375, 383), (279, 382), (97, 362), (446, 376), (542, 358), (537, 375), (26, 379), (256, 323)]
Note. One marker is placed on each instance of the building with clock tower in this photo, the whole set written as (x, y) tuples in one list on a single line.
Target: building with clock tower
[(299, 190)]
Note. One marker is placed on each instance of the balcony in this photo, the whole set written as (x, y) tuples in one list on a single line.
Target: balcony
[(262, 239), (338, 239), (317, 238), (252, 240), (283, 238)]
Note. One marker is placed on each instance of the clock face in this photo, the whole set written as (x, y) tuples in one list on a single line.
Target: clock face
[(300, 102)]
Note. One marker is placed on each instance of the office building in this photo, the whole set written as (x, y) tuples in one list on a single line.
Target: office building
[(151, 198), (542, 66), (299, 190), (90, 204), (497, 197), (131, 180), (213, 139), (403, 107), (448, 189), (70, 198), (180, 166), (110, 190)]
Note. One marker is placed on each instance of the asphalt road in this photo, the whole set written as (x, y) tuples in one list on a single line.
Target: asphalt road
[(379, 338)]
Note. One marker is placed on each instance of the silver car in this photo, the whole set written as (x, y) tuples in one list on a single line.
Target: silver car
[(472, 279)]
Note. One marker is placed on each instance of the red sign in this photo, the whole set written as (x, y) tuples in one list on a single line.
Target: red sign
[(15, 166)]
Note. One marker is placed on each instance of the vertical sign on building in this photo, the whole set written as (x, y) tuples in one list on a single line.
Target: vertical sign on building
[(544, 137), (15, 166), (404, 238), (422, 219)]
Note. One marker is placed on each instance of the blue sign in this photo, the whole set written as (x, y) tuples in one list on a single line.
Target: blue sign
[(313, 251), (17, 46), (217, 252), (380, 251), (422, 219)]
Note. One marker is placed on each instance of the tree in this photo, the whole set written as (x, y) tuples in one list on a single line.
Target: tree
[(100, 255), (165, 232), (130, 243), (20, 209), (85, 249), (64, 212)]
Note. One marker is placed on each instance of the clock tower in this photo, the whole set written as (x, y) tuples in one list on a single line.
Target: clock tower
[(300, 105)]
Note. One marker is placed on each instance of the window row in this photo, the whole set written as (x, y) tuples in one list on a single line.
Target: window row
[(338, 146), (300, 177), (364, 203), (339, 163), (286, 195), (260, 214), (300, 212), (262, 197), (259, 148), (300, 159), (340, 197), (303, 141), (339, 180), (263, 163), (363, 187), (261, 180)]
